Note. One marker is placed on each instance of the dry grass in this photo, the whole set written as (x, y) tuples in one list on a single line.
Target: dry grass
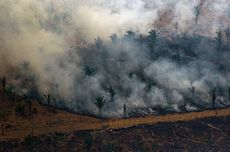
[(46, 121)]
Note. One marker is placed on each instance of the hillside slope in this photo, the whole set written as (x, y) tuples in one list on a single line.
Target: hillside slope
[(48, 120)]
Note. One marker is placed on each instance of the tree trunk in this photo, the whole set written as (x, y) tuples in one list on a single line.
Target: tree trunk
[(3, 129), (213, 98), (2, 96), (100, 113), (30, 108), (229, 94)]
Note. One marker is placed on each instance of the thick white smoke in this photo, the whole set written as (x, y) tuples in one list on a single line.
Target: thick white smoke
[(44, 32)]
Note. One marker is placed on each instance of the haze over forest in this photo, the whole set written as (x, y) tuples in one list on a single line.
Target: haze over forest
[(172, 54)]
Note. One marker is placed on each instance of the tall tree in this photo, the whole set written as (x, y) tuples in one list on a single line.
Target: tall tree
[(112, 92), (227, 34), (98, 42), (100, 102), (197, 9), (113, 37), (192, 89), (125, 110), (213, 98), (219, 40), (151, 39), (130, 35)]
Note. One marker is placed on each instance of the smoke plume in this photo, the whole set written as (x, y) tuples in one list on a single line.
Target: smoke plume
[(52, 47)]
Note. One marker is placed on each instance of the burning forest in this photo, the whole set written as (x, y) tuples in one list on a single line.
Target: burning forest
[(118, 57)]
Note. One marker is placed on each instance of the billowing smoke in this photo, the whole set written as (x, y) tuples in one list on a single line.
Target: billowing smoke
[(52, 47)]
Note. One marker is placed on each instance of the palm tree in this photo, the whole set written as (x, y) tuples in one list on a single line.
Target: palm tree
[(151, 39), (98, 42), (197, 10), (141, 39), (192, 89), (218, 39), (130, 35), (113, 37), (25, 64), (100, 102), (112, 92), (227, 33)]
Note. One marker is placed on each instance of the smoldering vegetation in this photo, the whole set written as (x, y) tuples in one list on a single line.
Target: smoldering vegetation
[(183, 65), (146, 73)]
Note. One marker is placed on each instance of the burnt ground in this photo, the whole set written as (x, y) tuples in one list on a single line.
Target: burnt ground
[(210, 134)]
